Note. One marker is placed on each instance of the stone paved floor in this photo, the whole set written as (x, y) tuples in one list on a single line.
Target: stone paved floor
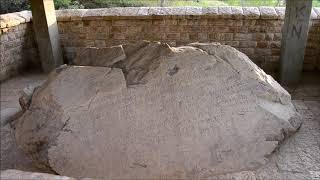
[(297, 158), (10, 92), (11, 156)]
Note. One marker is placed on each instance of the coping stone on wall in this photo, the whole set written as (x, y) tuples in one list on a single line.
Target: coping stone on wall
[(129, 11), (281, 11), (3, 24), (167, 11), (313, 14), (14, 19), (237, 12), (117, 13), (10, 19), (143, 11), (193, 10), (225, 11), (251, 12), (210, 11), (26, 15), (268, 13), (317, 11), (152, 12), (70, 14), (95, 14), (137, 12)]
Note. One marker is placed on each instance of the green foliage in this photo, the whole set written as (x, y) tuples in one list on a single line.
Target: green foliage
[(316, 3), (117, 3), (254, 2), (8, 6), (197, 3), (67, 4), (173, 3), (61, 4)]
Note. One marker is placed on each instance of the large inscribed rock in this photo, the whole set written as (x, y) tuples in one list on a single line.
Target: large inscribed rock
[(160, 112)]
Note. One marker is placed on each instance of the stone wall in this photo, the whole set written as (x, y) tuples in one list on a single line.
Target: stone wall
[(17, 44), (254, 31)]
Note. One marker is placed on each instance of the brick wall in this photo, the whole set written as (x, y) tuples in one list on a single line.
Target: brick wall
[(254, 31), (17, 44)]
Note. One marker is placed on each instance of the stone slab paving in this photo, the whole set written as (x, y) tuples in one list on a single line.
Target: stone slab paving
[(10, 92), (297, 158)]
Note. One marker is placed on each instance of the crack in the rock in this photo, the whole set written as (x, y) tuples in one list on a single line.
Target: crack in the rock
[(173, 70), (92, 99)]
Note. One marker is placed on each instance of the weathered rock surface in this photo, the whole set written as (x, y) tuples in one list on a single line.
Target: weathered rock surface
[(135, 60), (25, 97), (13, 174), (9, 114), (102, 56), (186, 112)]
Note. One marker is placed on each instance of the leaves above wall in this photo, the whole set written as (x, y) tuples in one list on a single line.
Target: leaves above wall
[(8, 6)]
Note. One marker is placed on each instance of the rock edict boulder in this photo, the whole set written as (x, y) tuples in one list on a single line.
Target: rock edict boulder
[(157, 112)]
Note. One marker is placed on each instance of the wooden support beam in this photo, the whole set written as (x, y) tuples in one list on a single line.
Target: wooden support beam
[(294, 40), (46, 32)]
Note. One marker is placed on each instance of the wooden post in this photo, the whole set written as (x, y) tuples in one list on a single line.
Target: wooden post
[(294, 40), (46, 32)]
